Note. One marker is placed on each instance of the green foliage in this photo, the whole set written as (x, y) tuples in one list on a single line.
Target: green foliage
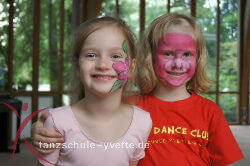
[(49, 43), (23, 43), (228, 70), (180, 6), (108, 8), (151, 13), (3, 44), (228, 103), (229, 66), (229, 20), (206, 17), (67, 43), (129, 12), (228, 46)]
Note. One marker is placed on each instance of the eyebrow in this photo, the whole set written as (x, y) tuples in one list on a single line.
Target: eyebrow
[(184, 50), (87, 49), (94, 49), (171, 49)]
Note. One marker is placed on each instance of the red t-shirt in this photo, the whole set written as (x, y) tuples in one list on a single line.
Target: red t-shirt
[(188, 132)]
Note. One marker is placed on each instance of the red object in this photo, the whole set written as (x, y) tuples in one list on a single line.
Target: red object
[(187, 132), (25, 106)]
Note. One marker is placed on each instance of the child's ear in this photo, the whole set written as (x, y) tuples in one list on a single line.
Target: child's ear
[(132, 68)]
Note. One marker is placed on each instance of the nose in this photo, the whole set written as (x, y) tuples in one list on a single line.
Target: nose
[(102, 64), (177, 63)]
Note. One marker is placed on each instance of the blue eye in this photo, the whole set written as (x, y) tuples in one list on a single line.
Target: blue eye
[(186, 54), (116, 57), (91, 55), (168, 54)]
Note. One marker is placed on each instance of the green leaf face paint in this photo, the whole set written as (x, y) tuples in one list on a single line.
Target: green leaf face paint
[(117, 85), (125, 48), (122, 69)]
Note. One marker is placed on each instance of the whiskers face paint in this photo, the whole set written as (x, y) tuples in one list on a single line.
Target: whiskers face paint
[(175, 61)]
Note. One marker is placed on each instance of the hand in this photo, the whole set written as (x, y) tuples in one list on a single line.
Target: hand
[(40, 134)]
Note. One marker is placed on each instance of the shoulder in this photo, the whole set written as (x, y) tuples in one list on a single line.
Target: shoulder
[(62, 118), (59, 111), (141, 101), (142, 119), (207, 103), (211, 110), (142, 114)]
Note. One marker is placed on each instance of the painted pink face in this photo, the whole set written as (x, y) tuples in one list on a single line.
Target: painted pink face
[(175, 61)]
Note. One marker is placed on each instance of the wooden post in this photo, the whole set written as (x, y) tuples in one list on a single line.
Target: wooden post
[(193, 8), (142, 17), (217, 52), (61, 55), (244, 52), (36, 39)]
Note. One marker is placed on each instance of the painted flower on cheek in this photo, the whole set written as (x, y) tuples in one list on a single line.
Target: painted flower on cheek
[(122, 69)]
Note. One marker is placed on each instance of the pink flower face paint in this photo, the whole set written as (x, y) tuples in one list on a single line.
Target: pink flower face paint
[(122, 69), (175, 61)]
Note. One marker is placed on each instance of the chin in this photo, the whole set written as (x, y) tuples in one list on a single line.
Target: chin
[(102, 93), (106, 93), (174, 85), (178, 83)]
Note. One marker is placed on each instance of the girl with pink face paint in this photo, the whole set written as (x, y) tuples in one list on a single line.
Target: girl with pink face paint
[(175, 60), (98, 128), (171, 70)]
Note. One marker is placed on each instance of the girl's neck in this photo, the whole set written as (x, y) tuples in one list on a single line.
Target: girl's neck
[(100, 107), (168, 93)]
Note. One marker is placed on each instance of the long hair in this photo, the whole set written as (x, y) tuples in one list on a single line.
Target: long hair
[(146, 79)]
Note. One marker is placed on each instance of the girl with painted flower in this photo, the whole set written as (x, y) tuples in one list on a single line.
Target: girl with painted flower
[(103, 56)]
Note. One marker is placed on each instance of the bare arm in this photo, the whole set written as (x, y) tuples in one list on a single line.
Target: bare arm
[(40, 134), (133, 163)]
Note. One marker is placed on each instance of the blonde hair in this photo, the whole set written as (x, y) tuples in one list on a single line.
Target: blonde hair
[(146, 79), (76, 91)]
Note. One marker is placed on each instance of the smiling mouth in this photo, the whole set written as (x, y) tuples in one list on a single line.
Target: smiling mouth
[(175, 74), (103, 77)]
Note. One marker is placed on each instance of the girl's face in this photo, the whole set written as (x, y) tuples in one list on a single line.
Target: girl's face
[(104, 63), (175, 61)]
